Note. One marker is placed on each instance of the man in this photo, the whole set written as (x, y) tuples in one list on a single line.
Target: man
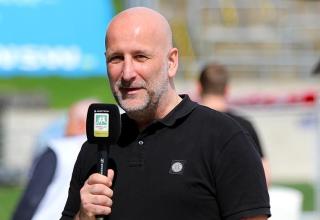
[(213, 85), (174, 159), (47, 189)]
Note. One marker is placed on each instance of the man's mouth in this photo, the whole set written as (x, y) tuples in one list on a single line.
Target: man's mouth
[(130, 90)]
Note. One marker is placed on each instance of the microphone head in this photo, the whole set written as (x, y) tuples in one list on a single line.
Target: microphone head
[(103, 124)]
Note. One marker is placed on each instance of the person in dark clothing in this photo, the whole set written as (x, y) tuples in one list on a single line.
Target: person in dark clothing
[(213, 85), (175, 159)]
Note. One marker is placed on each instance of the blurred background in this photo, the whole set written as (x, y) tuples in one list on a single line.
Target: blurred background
[(52, 54)]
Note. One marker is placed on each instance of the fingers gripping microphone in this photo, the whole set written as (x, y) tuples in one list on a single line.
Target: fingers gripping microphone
[(103, 128)]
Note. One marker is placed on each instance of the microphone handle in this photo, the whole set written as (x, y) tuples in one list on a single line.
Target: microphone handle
[(102, 167), (99, 217)]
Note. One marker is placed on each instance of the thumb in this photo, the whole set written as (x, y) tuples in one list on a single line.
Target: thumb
[(110, 177)]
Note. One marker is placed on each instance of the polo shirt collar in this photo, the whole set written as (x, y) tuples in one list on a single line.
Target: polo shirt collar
[(181, 110), (185, 107)]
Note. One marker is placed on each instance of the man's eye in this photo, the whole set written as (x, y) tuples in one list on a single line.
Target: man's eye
[(141, 57), (114, 59)]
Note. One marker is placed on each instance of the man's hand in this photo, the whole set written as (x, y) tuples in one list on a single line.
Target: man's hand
[(96, 196)]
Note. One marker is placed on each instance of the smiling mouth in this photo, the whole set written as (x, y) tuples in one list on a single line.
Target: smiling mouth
[(129, 90)]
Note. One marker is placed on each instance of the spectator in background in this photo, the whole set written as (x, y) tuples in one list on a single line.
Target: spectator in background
[(56, 129), (47, 190), (213, 87)]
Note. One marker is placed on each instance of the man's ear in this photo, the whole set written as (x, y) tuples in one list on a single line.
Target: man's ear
[(173, 62)]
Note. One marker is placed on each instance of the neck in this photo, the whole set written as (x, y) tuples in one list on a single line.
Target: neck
[(166, 104), (215, 102)]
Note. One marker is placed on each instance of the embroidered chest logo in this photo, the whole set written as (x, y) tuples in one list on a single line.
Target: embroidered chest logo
[(177, 167)]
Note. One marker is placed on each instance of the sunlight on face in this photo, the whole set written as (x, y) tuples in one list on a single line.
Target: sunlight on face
[(142, 94), (137, 61)]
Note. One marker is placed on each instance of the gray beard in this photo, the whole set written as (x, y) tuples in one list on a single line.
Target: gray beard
[(147, 112), (142, 113)]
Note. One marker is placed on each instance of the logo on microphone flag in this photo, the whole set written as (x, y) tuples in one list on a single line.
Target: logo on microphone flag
[(101, 125)]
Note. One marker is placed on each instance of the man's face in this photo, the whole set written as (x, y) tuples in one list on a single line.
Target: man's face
[(137, 68)]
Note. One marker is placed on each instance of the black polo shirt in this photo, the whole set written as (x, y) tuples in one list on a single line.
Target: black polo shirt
[(248, 126), (195, 163)]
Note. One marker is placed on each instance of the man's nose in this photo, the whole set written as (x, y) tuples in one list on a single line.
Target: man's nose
[(128, 70)]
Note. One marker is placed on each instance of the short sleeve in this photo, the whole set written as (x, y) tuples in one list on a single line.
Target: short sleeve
[(252, 131), (240, 181)]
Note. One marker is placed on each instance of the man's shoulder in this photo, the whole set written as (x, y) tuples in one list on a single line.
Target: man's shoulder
[(238, 117), (213, 120), (88, 147), (211, 114), (242, 120)]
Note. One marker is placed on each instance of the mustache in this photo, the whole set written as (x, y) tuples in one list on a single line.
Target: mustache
[(128, 85)]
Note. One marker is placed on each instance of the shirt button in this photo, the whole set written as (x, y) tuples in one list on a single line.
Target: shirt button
[(140, 142)]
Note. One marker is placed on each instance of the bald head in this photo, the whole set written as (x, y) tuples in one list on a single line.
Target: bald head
[(141, 22)]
